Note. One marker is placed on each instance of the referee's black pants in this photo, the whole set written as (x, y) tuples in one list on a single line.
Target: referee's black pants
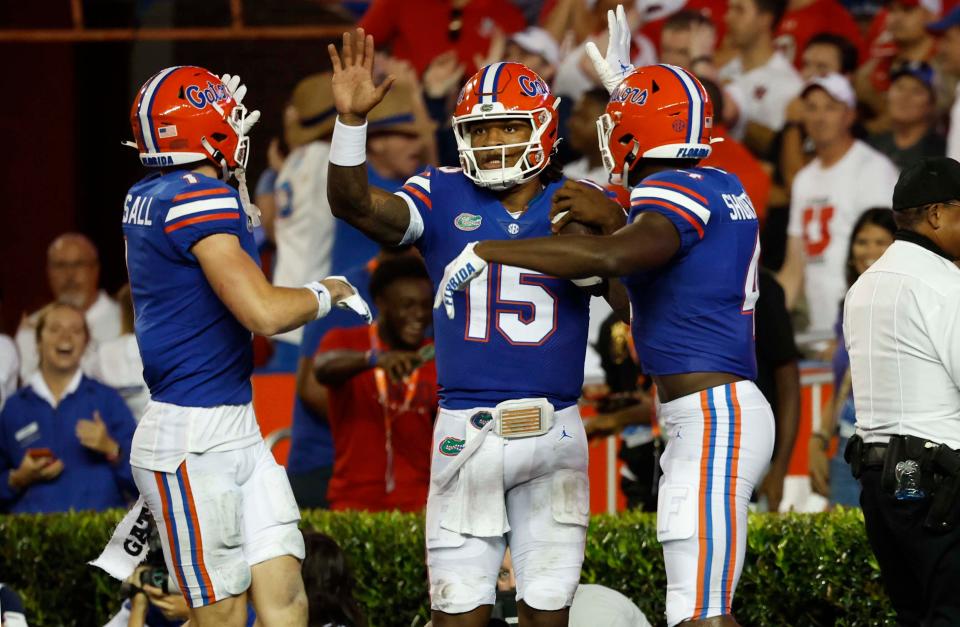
[(920, 569)]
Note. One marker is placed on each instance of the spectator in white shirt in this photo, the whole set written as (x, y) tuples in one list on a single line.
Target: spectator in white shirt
[(844, 179), (118, 362), (902, 328), (759, 79), (303, 226), (536, 49), (73, 270), (948, 47), (9, 366)]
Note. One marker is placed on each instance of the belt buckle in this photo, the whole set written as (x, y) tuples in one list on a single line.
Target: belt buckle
[(524, 418)]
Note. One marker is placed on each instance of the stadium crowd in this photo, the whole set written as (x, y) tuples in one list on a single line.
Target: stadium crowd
[(819, 103)]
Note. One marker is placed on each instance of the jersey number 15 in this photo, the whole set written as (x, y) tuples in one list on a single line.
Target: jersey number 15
[(523, 310)]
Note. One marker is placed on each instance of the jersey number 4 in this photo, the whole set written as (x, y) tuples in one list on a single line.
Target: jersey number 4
[(523, 310)]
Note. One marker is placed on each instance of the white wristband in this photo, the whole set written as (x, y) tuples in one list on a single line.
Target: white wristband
[(323, 297), (348, 147)]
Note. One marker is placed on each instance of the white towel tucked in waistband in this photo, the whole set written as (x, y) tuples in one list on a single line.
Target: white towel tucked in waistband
[(478, 507), (128, 545)]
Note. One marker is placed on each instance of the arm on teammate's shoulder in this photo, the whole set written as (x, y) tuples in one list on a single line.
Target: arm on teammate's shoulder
[(791, 274), (375, 212), (262, 308), (649, 242)]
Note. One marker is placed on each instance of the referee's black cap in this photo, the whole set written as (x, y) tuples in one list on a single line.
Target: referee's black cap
[(930, 180)]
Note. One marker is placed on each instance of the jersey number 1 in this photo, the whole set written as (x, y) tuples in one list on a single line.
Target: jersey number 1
[(524, 311)]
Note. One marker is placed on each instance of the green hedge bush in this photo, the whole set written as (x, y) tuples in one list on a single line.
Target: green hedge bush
[(801, 569)]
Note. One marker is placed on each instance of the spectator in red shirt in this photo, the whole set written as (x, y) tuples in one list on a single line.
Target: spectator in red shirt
[(806, 18), (904, 39), (382, 395), (732, 156), (419, 31)]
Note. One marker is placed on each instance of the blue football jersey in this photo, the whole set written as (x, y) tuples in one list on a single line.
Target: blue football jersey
[(696, 313), (517, 333), (195, 352)]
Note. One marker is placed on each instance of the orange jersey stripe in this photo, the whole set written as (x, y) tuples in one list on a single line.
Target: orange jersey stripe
[(199, 193), (195, 523), (416, 192), (732, 565), (702, 531), (679, 188), (677, 210), (167, 522), (210, 216)]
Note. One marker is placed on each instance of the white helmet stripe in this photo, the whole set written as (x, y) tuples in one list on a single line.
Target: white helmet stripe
[(488, 83), (143, 109), (696, 104)]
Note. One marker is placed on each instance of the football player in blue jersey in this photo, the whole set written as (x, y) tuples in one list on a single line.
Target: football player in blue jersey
[(688, 254), (226, 514), (509, 453)]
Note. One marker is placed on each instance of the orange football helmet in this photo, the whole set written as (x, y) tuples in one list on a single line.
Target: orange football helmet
[(506, 90), (185, 114), (657, 112)]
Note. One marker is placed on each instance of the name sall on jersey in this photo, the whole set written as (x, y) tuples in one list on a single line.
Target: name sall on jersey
[(137, 213), (740, 207), (200, 98)]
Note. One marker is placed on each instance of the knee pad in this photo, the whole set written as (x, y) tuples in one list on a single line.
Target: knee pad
[(550, 594), (234, 577), (455, 592)]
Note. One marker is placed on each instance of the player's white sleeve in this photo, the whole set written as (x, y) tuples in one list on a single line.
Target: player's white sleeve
[(415, 228)]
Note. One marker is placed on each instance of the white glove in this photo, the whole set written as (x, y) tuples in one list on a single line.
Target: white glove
[(466, 267), (616, 65), (354, 302), (237, 91)]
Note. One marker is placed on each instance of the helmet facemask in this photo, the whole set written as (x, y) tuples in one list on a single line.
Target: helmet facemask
[(528, 164), (617, 172)]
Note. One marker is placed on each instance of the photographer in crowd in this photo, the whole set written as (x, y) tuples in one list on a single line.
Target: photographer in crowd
[(902, 328)]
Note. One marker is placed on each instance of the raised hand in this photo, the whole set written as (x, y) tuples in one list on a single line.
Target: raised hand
[(238, 91), (616, 65), (443, 75), (354, 92)]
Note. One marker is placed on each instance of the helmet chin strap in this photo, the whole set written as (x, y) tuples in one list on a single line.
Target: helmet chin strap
[(250, 209)]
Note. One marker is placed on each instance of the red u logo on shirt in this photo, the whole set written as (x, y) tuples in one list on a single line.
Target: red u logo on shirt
[(816, 230)]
